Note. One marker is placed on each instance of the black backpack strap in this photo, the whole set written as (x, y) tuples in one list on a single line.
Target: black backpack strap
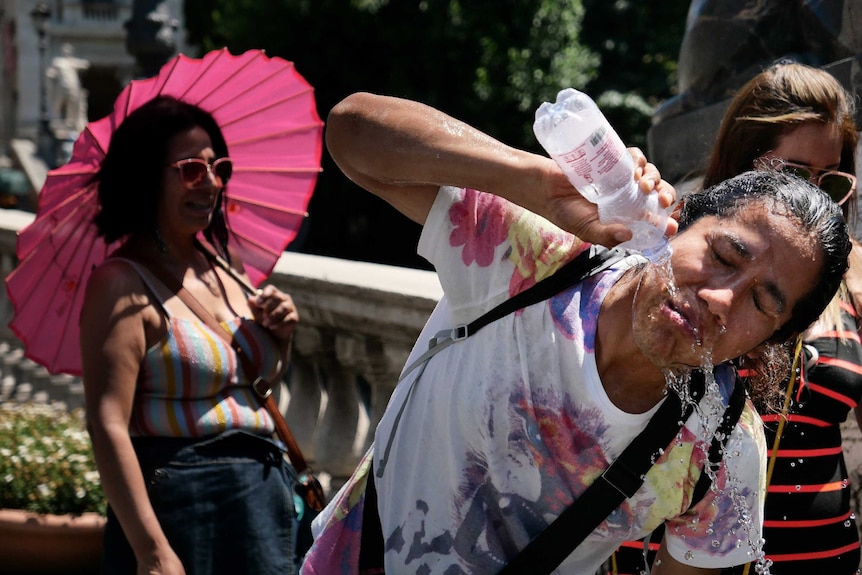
[(371, 544), (589, 262), (545, 552)]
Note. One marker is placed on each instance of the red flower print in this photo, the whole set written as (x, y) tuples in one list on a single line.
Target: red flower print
[(480, 226)]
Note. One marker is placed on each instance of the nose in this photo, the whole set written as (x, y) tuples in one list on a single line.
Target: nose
[(212, 176), (719, 301)]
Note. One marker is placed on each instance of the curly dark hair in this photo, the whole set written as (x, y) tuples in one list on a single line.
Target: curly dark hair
[(130, 178)]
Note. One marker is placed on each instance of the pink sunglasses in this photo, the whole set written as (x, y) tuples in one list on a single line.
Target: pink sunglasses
[(193, 171), (839, 185)]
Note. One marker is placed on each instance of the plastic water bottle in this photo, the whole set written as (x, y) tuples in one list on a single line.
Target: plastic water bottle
[(577, 135)]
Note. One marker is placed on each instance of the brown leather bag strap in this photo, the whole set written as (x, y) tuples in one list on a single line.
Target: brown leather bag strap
[(261, 387)]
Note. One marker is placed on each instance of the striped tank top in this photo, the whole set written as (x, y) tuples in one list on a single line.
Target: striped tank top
[(191, 383)]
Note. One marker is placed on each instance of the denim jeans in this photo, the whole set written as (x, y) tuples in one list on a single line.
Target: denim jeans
[(225, 504)]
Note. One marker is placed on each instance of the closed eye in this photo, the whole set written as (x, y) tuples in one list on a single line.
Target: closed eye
[(716, 255), (768, 301)]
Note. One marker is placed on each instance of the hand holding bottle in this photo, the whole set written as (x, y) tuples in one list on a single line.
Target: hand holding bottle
[(589, 152), (564, 206)]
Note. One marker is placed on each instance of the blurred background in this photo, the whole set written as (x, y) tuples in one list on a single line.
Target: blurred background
[(660, 71)]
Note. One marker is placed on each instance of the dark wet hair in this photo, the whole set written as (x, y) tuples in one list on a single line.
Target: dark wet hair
[(817, 215), (130, 179)]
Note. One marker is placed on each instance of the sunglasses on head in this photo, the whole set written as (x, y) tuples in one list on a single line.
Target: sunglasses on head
[(839, 185), (194, 171)]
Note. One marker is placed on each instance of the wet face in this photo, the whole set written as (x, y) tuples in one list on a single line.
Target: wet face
[(183, 210), (737, 280)]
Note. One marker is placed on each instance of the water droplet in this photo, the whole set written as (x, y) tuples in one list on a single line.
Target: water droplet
[(716, 543), (792, 464), (848, 523), (689, 555), (798, 488)]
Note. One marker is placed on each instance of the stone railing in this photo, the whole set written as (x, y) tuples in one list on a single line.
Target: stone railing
[(95, 13), (358, 324)]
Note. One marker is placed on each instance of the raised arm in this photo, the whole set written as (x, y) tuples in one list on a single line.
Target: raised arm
[(403, 151)]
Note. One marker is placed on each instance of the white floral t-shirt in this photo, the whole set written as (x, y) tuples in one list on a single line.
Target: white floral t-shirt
[(504, 429)]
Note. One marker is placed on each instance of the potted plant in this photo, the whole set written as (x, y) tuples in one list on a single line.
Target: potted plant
[(51, 502)]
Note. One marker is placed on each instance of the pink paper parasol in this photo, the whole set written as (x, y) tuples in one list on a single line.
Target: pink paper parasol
[(267, 114)]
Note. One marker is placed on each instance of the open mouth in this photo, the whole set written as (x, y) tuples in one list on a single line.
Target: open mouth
[(683, 317), (200, 205)]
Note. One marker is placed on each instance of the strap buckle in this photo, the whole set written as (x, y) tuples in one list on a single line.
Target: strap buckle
[(459, 332), (261, 384)]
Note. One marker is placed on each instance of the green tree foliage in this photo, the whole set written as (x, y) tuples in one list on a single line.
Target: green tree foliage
[(489, 62), (638, 46)]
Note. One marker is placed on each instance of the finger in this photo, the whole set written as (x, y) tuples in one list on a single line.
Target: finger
[(638, 156), (666, 194), (608, 235), (672, 227), (647, 183)]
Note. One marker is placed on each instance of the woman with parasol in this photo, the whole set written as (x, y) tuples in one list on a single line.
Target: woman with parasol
[(194, 483)]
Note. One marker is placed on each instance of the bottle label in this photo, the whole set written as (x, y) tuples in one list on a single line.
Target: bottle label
[(579, 163), (610, 152), (597, 157)]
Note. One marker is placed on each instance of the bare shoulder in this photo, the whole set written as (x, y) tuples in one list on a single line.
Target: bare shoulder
[(115, 285)]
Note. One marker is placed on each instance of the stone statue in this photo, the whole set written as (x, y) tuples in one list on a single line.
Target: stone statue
[(68, 99), (726, 43)]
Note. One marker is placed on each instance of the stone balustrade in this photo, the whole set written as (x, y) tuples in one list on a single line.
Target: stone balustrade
[(358, 324), (94, 13)]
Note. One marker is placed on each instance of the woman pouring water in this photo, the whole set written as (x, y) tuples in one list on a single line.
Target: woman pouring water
[(505, 429)]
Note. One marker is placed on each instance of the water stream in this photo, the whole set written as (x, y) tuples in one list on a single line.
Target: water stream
[(711, 409)]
